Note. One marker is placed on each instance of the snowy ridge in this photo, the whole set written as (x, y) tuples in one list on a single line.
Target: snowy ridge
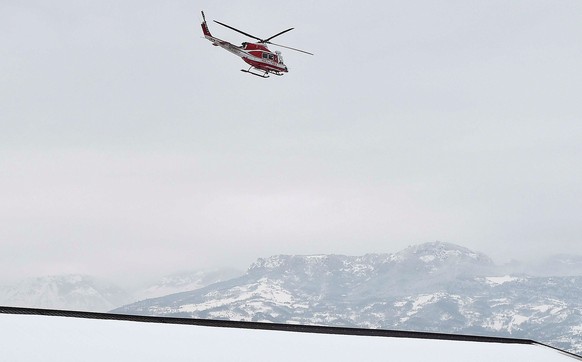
[(435, 287)]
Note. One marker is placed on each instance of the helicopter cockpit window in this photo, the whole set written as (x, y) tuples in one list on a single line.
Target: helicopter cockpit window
[(268, 56)]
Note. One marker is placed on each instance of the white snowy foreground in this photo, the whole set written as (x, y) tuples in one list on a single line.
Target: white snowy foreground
[(51, 338)]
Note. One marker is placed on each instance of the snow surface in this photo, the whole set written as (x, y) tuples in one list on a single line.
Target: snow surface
[(48, 338), (501, 280)]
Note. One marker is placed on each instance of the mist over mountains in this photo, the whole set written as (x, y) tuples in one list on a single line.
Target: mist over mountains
[(435, 287), (75, 292), (86, 293), (183, 282)]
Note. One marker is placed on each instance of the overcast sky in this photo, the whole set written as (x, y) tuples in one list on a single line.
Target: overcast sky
[(129, 145)]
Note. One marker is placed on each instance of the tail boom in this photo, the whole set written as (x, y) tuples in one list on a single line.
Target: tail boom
[(205, 27)]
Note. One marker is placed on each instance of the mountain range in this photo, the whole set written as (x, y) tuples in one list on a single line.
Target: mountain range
[(434, 287), (87, 293)]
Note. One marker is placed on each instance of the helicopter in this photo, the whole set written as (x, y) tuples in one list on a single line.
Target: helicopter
[(262, 61)]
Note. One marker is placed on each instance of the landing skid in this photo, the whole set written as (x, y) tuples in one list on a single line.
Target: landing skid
[(264, 75)]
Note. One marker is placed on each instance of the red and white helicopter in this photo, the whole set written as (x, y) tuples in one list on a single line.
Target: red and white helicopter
[(257, 55)]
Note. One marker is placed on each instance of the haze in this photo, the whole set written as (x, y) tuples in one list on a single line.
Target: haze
[(131, 146)]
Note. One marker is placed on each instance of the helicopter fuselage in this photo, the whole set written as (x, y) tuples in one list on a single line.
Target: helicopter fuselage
[(262, 58)]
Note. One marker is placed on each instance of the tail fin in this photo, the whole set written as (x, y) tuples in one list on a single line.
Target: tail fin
[(205, 26)]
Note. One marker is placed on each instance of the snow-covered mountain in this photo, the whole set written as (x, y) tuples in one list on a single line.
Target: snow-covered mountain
[(86, 293), (75, 292), (438, 287)]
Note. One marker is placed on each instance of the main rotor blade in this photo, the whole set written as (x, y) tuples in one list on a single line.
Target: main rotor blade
[(266, 41), (283, 32), (240, 31), (286, 47)]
